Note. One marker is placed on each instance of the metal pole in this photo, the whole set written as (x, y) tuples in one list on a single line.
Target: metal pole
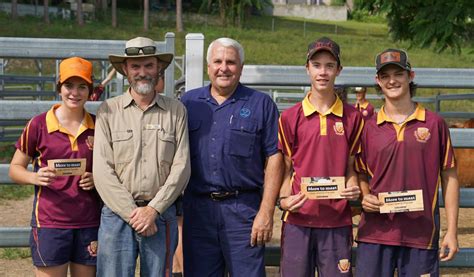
[(194, 60), (169, 73)]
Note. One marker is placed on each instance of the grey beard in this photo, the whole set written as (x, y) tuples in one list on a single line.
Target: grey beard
[(143, 89)]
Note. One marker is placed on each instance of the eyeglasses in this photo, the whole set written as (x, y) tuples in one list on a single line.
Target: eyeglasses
[(134, 51)]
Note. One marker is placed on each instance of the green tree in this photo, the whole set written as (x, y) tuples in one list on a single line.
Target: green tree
[(146, 15), (46, 11), (179, 16), (426, 23), (234, 11), (80, 16), (14, 9), (114, 13)]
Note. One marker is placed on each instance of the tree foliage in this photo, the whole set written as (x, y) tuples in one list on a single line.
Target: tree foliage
[(426, 23), (234, 11)]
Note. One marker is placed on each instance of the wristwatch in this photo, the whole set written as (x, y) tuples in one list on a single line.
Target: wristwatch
[(278, 202)]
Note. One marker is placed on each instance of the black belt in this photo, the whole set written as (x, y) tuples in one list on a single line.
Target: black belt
[(223, 195), (142, 203)]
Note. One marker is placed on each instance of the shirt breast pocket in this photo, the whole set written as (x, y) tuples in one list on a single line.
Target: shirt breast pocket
[(122, 143), (242, 138), (166, 146)]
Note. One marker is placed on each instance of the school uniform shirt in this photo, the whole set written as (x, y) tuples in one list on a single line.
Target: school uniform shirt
[(140, 154), (403, 157), (366, 109), (62, 204), (319, 145)]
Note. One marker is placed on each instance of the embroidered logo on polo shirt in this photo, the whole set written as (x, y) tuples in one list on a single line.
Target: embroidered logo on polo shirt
[(344, 265), (244, 112), (422, 134), (339, 128), (90, 142)]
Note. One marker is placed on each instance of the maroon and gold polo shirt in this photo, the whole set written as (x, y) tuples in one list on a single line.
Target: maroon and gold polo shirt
[(319, 145), (62, 204), (366, 109), (402, 157)]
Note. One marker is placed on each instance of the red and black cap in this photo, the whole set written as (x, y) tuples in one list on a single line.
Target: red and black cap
[(392, 56), (324, 44)]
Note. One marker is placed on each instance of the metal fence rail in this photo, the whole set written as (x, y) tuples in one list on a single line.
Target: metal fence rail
[(57, 49), (284, 99), (280, 75), (26, 109)]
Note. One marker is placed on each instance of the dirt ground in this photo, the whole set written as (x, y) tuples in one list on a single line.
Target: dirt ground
[(18, 214)]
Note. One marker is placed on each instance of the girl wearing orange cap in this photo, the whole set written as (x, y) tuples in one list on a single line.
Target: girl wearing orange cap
[(66, 207)]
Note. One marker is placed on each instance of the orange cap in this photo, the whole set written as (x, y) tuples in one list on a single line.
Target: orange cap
[(75, 67)]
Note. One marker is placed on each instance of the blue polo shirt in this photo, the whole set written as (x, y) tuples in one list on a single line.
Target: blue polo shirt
[(229, 143)]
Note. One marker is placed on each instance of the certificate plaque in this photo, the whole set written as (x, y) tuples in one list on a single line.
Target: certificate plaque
[(401, 201), (68, 167), (323, 187)]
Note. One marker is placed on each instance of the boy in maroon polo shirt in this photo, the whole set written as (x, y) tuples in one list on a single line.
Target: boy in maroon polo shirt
[(364, 106), (319, 138), (407, 152)]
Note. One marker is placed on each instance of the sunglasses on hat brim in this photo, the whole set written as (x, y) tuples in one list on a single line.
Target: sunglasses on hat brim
[(134, 51)]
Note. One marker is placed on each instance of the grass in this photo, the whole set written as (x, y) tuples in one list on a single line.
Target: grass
[(266, 39), (15, 253), (15, 192), (7, 150)]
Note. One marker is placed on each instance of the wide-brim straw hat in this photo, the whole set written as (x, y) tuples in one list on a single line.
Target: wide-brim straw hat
[(139, 42)]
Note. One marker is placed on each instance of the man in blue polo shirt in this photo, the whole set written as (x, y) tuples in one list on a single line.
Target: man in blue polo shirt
[(236, 170)]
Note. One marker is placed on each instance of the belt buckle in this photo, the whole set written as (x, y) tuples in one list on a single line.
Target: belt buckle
[(217, 196)]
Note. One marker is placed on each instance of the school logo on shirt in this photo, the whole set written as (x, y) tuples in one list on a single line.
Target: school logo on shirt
[(344, 265), (422, 134), (339, 128), (90, 142), (244, 112)]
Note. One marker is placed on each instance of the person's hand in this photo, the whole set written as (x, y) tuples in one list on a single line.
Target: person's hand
[(449, 247), (371, 204), (92, 248), (293, 203), (142, 220), (351, 193), (44, 176), (87, 181), (262, 228)]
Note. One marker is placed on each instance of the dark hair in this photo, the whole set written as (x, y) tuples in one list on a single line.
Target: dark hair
[(59, 85)]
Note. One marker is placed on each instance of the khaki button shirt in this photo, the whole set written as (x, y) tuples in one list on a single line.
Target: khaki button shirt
[(140, 155)]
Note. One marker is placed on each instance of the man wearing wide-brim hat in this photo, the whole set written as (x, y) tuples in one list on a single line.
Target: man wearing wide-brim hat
[(141, 165)]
